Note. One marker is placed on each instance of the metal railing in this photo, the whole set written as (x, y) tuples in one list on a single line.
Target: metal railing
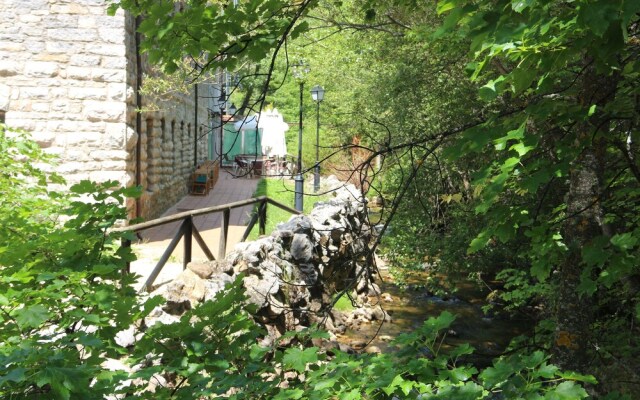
[(188, 230)]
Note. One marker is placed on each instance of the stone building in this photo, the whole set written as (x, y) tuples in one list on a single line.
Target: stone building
[(70, 75)]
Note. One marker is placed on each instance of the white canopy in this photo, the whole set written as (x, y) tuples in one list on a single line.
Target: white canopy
[(273, 128)]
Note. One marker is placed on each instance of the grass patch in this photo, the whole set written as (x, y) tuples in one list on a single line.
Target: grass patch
[(282, 191), (343, 304)]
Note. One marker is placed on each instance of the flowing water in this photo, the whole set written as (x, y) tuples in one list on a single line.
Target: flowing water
[(411, 306)]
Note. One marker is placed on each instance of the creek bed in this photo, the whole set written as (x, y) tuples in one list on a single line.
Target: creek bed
[(411, 306)]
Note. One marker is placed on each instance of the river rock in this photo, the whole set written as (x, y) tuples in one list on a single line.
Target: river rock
[(183, 293), (371, 349), (203, 270), (297, 224), (301, 248), (126, 337)]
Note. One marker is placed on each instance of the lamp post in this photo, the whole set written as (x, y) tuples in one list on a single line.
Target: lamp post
[(300, 69), (221, 104), (317, 94)]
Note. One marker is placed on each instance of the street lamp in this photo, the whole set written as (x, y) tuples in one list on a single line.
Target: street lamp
[(222, 101), (317, 94), (300, 70)]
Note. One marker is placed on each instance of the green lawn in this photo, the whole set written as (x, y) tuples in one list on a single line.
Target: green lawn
[(282, 191)]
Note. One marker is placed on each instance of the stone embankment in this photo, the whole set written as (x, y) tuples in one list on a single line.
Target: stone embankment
[(293, 275)]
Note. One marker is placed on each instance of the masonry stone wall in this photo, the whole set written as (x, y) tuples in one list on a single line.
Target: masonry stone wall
[(68, 75)]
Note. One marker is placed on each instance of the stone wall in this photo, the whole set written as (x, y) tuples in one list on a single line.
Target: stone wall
[(293, 275), (68, 75)]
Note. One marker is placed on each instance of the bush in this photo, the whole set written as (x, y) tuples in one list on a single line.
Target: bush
[(64, 298)]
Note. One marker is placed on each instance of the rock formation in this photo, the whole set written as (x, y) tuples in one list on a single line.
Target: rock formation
[(293, 275)]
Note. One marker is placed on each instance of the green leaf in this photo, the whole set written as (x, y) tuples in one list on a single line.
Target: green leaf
[(575, 376), (289, 394), (521, 148), (15, 375), (519, 5), (500, 372), (522, 77), (596, 16), (399, 382), (625, 241), (515, 134), (447, 5), (297, 359), (32, 316), (566, 391), (478, 243), (489, 91), (595, 253)]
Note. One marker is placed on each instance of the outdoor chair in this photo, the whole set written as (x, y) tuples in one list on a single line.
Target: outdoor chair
[(200, 183), (243, 167)]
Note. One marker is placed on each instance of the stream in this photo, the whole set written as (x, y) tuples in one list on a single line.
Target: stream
[(411, 306)]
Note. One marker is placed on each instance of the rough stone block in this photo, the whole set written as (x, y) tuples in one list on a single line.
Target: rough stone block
[(33, 5), (87, 22), (9, 68), (13, 47), (117, 92), (41, 69), (83, 93), (29, 18), (108, 155), (107, 49), (108, 75), (111, 35), (80, 73), (57, 58), (72, 49), (41, 107), (104, 111), (103, 176), (110, 62), (44, 139), (34, 44), (34, 93), (113, 165), (72, 34)]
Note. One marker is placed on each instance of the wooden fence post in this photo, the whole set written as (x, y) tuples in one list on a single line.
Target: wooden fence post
[(126, 243), (224, 233), (188, 240), (262, 217)]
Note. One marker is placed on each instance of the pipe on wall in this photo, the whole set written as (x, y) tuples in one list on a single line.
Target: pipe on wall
[(195, 133), (138, 21)]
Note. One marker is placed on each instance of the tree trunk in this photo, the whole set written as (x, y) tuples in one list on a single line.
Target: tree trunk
[(573, 312)]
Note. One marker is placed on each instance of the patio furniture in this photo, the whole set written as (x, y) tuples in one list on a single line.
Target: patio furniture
[(200, 182), (244, 166)]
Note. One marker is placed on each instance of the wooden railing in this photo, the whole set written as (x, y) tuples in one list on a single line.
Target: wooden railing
[(188, 230)]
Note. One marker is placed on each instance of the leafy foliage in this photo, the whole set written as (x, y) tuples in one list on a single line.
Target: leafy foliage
[(423, 368), (64, 296), (65, 299), (507, 136)]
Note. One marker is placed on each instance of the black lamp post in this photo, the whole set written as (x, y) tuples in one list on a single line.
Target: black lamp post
[(300, 69), (222, 100), (317, 94)]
